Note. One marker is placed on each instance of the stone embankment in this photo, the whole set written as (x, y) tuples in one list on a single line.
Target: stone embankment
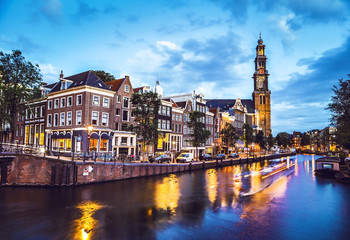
[(27, 170)]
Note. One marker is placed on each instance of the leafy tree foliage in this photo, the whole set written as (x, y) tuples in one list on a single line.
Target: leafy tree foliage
[(104, 76), (305, 139), (19, 78), (270, 141), (340, 108), (248, 134), (260, 139), (199, 135), (283, 139), (229, 135), (145, 110)]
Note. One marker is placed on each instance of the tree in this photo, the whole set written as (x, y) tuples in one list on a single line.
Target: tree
[(229, 136), (199, 135), (145, 110), (283, 139), (340, 108), (260, 139), (270, 141), (19, 78), (104, 76), (305, 139), (248, 134)]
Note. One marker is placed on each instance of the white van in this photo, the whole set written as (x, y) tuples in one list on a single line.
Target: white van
[(185, 157)]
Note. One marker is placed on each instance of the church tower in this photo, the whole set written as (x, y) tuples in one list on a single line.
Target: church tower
[(262, 94)]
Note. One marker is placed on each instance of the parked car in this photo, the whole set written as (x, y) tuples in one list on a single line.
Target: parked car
[(206, 157), (185, 157), (233, 155), (220, 156), (160, 159)]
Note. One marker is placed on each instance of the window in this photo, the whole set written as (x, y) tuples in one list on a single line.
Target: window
[(17, 130), (69, 118), (125, 115), (168, 124), (36, 114), (163, 124), (42, 110), (49, 120), (96, 100), (168, 111), (63, 102), (159, 123), (69, 101), (94, 119), (78, 118), (164, 110), (55, 120), (173, 117), (56, 103), (185, 117), (126, 102), (117, 112), (127, 88), (118, 98), (104, 119), (63, 85), (49, 105), (105, 102), (131, 141), (62, 119), (124, 140), (116, 126), (179, 128), (79, 99), (185, 129)]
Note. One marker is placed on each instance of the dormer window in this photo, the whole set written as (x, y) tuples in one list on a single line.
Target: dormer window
[(63, 85)]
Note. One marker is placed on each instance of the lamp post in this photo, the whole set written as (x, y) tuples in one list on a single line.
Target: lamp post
[(89, 129)]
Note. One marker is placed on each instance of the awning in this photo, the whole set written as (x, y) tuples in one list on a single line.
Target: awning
[(104, 136), (61, 135), (94, 136), (54, 135), (68, 135)]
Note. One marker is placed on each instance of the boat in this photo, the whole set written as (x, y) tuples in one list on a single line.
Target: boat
[(327, 167)]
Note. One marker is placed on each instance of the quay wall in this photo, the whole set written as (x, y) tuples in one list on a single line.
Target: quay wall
[(27, 170)]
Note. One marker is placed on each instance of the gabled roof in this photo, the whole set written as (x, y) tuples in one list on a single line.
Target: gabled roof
[(137, 89), (226, 104), (181, 104), (88, 78), (50, 86), (115, 84)]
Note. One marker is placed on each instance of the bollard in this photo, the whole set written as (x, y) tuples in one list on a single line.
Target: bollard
[(73, 157), (84, 157), (190, 166), (59, 151), (105, 156)]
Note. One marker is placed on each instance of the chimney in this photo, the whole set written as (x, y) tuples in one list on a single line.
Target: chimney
[(61, 75)]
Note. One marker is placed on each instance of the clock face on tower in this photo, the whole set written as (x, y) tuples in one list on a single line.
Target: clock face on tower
[(260, 82)]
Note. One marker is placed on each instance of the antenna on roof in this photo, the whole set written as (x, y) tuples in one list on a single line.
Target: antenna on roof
[(61, 75)]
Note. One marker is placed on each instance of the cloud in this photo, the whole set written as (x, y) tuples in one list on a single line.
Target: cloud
[(85, 12), (238, 8), (52, 10), (213, 65), (311, 92)]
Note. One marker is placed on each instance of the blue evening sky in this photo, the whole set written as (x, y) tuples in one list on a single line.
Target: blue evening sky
[(202, 45)]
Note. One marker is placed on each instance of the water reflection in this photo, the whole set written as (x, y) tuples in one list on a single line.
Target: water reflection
[(86, 223), (212, 184), (167, 194), (208, 204)]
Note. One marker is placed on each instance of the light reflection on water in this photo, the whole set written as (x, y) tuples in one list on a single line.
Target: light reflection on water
[(254, 201)]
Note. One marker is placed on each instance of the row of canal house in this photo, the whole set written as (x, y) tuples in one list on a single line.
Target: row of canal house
[(81, 113)]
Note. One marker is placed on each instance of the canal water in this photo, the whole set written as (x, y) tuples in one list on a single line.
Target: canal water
[(279, 199)]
